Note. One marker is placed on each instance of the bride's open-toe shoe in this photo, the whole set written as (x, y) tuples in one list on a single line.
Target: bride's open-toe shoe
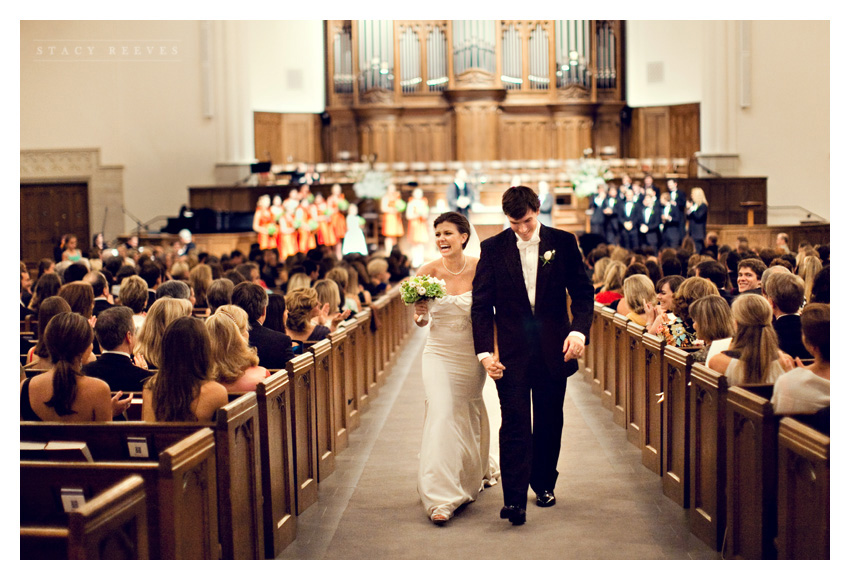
[(440, 517)]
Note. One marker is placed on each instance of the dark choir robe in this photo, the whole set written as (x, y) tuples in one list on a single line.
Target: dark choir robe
[(611, 227), (651, 218), (629, 212), (670, 233), (789, 329)]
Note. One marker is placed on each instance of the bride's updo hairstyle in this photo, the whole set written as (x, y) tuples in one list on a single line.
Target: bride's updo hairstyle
[(460, 222), (517, 200)]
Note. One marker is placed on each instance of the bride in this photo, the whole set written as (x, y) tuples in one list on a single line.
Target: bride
[(454, 461)]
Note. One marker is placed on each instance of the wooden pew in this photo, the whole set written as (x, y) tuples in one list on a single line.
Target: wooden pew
[(182, 512), (325, 416), (595, 357), (751, 452), (608, 377), (236, 430), (112, 525), (302, 406), (379, 340), (802, 492), (636, 392), (707, 439), (277, 457), (622, 384), (364, 341), (676, 374), (342, 391), (653, 348)]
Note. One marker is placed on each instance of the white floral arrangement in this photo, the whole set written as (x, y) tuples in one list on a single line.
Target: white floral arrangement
[(589, 175), (422, 288), (372, 184)]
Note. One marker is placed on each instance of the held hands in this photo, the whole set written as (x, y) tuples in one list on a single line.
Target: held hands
[(120, 405), (573, 348), (494, 368)]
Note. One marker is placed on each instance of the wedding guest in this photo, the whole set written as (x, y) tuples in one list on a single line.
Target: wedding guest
[(63, 394), (276, 313), (820, 287), (379, 276), (810, 267), (200, 279), (70, 251), (805, 389), (38, 356), (116, 335), (182, 389), (638, 291), (330, 304), (302, 306), (784, 293), (298, 280), (235, 363), (612, 289), (133, 293), (340, 276), (73, 271), (102, 298), (679, 331), (151, 273), (754, 355), (600, 267), (80, 297), (174, 289), (164, 311), (713, 324), (219, 293), (717, 275), (273, 348), (749, 276), (665, 289)]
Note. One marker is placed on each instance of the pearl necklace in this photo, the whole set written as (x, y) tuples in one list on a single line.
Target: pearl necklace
[(458, 272)]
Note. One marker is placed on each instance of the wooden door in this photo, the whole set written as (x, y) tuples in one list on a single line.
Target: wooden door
[(49, 210)]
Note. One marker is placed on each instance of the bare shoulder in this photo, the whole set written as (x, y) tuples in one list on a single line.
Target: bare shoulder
[(428, 269), (719, 362)]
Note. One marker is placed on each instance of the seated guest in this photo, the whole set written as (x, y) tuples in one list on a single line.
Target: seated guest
[(808, 270), (638, 291), (330, 304), (117, 337), (149, 340), (174, 289), (276, 313), (784, 293), (340, 276), (712, 318), (38, 356), (152, 275), (805, 389), (102, 297), (273, 348), (379, 276), (80, 297), (766, 275), (753, 356), (749, 276), (25, 293), (74, 272), (298, 280), (679, 331), (820, 287), (235, 364), (716, 274), (62, 393), (219, 293), (665, 289), (251, 272), (234, 276), (600, 267), (133, 294), (47, 285), (182, 389), (200, 278), (302, 306), (612, 289)]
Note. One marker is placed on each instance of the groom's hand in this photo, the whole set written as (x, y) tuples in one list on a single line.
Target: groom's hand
[(493, 367), (573, 348)]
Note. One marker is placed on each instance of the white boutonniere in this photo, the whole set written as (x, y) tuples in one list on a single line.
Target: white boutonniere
[(547, 257)]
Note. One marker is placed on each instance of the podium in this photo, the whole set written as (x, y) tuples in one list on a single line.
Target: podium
[(751, 207)]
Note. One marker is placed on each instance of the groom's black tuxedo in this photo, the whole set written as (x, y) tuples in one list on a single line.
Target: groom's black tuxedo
[(531, 348)]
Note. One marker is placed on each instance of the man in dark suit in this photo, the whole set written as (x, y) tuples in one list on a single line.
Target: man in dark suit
[(274, 348), (670, 220), (749, 276), (102, 297), (597, 218), (611, 226), (649, 223), (785, 293), (460, 194), (628, 211), (116, 335), (520, 286), (680, 199)]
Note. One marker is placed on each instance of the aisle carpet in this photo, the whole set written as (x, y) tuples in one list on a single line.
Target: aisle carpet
[(608, 505)]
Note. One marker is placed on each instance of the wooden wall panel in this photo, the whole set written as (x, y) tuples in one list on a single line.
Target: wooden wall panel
[(525, 137), (655, 132), (287, 137), (477, 131), (341, 135), (377, 137), (268, 145), (424, 138), (572, 135), (684, 130)]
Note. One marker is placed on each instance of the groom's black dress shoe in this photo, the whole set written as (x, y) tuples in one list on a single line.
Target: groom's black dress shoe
[(546, 499), (514, 513)]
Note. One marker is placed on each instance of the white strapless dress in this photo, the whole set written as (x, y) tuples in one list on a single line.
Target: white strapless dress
[(456, 460)]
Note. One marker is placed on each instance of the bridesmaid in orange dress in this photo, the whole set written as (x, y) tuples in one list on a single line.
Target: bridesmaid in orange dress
[(391, 208), (325, 236), (339, 207), (306, 224), (288, 233), (277, 213), (417, 226), (264, 224)]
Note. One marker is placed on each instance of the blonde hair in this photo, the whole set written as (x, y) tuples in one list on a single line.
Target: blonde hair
[(299, 305), (162, 312), (179, 271), (298, 280), (134, 293), (698, 196), (599, 270), (714, 317), (638, 289), (377, 267), (614, 276), (328, 293), (231, 355), (755, 337), (339, 275), (808, 270)]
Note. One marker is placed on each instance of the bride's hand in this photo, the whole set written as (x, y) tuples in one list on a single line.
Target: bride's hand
[(493, 367), (420, 312)]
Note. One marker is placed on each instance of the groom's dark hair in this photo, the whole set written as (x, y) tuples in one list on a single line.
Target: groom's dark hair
[(458, 220), (516, 201)]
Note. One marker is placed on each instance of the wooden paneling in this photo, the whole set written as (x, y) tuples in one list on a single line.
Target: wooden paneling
[(477, 131), (525, 137), (48, 211), (268, 145), (287, 137), (654, 130), (684, 130)]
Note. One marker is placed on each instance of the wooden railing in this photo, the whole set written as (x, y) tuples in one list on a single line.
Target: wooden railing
[(754, 486)]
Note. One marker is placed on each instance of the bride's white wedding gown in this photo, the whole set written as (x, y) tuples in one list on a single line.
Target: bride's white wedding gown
[(455, 461)]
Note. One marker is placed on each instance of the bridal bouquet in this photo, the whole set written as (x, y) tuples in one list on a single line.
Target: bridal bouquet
[(422, 288)]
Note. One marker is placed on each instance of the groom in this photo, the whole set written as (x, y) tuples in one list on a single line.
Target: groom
[(521, 285)]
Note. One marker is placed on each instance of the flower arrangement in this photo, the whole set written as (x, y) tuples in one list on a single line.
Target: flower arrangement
[(422, 288), (372, 184), (589, 174)]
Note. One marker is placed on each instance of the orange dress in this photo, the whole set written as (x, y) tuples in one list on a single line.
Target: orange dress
[(337, 220), (325, 235), (417, 221), (391, 218), (306, 236), (266, 222), (288, 236)]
